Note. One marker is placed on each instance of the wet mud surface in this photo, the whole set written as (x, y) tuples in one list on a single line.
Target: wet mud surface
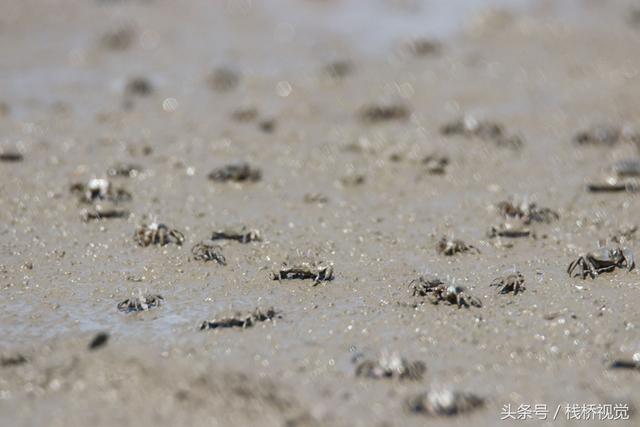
[(96, 85)]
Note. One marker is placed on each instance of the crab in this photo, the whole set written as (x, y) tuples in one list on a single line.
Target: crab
[(439, 291), (241, 234), (10, 156), (455, 295), (236, 172), (317, 198), (128, 170), (99, 189), (424, 285), (435, 164), (240, 320), (444, 403), (603, 135), (207, 250), (376, 113), (510, 282), (471, 127), (157, 234), (528, 212), (304, 269), (391, 366), (99, 212), (600, 261), (140, 303), (450, 247), (509, 229), (224, 78), (614, 184)]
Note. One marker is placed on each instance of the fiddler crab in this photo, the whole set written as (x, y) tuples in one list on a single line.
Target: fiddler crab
[(435, 164), (157, 234), (600, 261), (99, 189), (240, 320), (391, 366), (444, 403), (207, 250), (614, 184), (128, 170), (509, 229), (240, 234), (600, 134), (450, 247), (98, 213), (236, 172), (511, 282), (439, 291), (527, 211), (384, 112), (471, 127), (304, 269), (140, 303)]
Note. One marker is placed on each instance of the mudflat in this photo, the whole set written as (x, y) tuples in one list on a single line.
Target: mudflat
[(171, 173)]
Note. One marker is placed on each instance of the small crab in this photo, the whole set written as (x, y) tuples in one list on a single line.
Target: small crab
[(424, 285), (435, 164), (600, 261), (377, 113), (439, 291), (626, 363), (140, 303), (12, 359), (241, 234), (603, 135), (471, 127), (157, 234), (128, 170), (446, 402), (527, 211), (614, 184), (509, 229), (245, 114), (236, 172), (99, 189), (10, 156), (240, 320), (100, 212), (317, 198), (448, 247), (207, 250), (510, 282), (391, 366), (304, 269), (455, 295)]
